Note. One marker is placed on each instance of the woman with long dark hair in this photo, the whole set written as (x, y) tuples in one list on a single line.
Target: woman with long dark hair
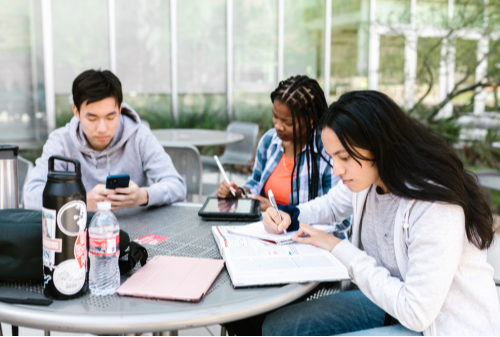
[(421, 229), (290, 159)]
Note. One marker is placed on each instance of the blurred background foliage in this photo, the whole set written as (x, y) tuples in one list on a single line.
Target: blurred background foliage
[(143, 61)]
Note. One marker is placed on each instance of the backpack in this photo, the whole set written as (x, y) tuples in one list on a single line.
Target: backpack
[(21, 246)]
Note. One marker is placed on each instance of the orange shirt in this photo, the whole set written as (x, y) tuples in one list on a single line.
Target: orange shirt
[(279, 181)]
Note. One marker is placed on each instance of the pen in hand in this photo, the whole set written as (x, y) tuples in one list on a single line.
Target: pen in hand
[(273, 202), (224, 175)]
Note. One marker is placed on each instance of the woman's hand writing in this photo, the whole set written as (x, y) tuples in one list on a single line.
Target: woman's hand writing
[(272, 222)]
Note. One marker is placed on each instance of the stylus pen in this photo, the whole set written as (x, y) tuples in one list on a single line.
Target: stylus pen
[(224, 175), (273, 202)]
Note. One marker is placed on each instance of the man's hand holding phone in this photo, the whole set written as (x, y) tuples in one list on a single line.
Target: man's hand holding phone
[(131, 196), (97, 194)]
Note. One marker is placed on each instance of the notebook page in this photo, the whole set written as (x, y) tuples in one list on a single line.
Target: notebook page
[(282, 264), (257, 230), (254, 262)]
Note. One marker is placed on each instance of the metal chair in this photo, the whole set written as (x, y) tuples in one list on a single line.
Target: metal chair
[(239, 153), (488, 180), (145, 123), (24, 167), (187, 162)]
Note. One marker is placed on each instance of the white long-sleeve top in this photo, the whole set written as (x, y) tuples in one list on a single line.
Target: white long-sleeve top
[(447, 286)]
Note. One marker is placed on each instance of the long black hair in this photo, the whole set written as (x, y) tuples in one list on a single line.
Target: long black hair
[(413, 162), (305, 98)]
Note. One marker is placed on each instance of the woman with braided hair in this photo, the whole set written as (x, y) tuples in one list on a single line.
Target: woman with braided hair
[(290, 159)]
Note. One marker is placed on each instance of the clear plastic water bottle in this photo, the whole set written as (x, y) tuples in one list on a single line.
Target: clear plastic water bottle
[(104, 237)]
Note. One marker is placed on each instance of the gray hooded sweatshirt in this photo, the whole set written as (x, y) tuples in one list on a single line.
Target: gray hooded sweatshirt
[(134, 150)]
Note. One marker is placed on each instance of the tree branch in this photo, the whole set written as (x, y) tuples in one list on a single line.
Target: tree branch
[(434, 110)]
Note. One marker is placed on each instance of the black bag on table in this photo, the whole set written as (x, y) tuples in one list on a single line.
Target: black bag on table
[(21, 246)]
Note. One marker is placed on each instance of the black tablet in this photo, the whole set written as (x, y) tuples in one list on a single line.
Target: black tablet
[(230, 209)]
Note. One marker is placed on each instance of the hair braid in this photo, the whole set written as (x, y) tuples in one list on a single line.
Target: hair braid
[(306, 99), (294, 158)]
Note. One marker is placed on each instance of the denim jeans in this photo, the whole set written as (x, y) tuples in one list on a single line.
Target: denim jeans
[(344, 312)]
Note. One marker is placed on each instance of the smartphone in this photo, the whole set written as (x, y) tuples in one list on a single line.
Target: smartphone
[(117, 181)]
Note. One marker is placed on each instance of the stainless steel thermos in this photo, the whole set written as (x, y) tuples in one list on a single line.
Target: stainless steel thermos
[(9, 195), (64, 230)]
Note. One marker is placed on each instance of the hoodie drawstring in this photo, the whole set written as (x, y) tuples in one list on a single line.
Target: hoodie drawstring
[(109, 165), (94, 160)]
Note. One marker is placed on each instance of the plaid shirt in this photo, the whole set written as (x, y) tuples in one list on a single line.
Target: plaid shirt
[(269, 153)]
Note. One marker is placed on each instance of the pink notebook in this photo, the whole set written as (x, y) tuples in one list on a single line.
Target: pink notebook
[(173, 278)]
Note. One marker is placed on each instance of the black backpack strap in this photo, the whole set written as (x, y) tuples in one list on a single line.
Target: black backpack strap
[(136, 253)]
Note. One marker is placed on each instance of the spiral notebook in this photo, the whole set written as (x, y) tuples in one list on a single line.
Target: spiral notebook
[(256, 230)]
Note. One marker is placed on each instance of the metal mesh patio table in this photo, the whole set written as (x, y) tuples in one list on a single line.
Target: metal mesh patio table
[(196, 137), (188, 236)]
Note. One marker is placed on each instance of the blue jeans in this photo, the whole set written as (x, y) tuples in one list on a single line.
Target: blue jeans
[(344, 312)]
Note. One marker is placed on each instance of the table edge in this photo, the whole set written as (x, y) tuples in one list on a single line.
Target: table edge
[(102, 323)]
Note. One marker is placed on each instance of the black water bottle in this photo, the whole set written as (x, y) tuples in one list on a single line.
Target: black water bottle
[(64, 228)]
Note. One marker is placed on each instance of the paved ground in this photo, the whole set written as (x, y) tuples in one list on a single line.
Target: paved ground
[(214, 330)]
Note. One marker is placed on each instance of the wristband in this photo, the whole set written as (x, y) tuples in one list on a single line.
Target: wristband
[(244, 191), (294, 212)]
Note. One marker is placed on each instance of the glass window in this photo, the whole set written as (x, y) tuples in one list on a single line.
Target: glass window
[(20, 116), (470, 13), (391, 69), (304, 38), (431, 13), (37, 73), (81, 42), (201, 39), (201, 36), (143, 46), (154, 108), (143, 61), (465, 61), (492, 100), (465, 69), (255, 108), (428, 58), (393, 11), (202, 111), (81, 39), (255, 39), (349, 48), (494, 14)]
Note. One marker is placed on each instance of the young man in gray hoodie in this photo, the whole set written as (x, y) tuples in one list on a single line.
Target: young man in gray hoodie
[(107, 137)]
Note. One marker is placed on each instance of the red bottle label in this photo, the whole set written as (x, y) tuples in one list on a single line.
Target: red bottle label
[(81, 248), (107, 246)]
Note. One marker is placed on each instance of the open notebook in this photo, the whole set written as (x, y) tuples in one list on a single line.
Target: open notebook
[(252, 262), (256, 230)]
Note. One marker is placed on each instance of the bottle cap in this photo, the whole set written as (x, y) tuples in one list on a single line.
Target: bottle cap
[(103, 206)]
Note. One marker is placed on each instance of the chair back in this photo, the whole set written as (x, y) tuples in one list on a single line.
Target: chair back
[(24, 167), (187, 161), (241, 153)]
